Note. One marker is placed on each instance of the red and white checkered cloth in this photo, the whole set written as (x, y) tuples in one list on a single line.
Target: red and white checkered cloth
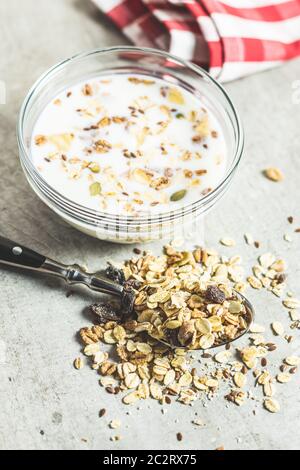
[(230, 38)]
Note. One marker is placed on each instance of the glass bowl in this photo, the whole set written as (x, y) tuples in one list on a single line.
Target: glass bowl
[(125, 59)]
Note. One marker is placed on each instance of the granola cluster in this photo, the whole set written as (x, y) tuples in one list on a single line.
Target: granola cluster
[(177, 304), (145, 367)]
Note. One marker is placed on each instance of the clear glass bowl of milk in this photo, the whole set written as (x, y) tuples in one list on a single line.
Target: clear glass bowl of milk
[(129, 144)]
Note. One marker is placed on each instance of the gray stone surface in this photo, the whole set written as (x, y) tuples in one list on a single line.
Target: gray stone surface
[(39, 389)]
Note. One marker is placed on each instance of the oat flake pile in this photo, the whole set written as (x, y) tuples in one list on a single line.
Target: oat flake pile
[(190, 293)]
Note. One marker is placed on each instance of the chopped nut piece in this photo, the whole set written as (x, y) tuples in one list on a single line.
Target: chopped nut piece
[(104, 122), (87, 90), (138, 81), (40, 140), (102, 146)]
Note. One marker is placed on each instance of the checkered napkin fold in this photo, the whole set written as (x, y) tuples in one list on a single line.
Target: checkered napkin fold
[(230, 38)]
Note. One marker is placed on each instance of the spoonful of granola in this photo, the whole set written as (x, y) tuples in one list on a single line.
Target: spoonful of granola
[(177, 304), (169, 297)]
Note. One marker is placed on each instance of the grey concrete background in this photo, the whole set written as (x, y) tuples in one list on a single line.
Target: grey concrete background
[(45, 403)]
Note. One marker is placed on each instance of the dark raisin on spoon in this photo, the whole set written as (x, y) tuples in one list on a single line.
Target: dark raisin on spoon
[(214, 295)]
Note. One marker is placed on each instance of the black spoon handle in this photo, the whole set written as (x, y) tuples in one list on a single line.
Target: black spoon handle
[(15, 254)]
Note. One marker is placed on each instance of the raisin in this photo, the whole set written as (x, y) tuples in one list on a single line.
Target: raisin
[(206, 356), (105, 312), (133, 283), (215, 295), (127, 301), (115, 274), (172, 337)]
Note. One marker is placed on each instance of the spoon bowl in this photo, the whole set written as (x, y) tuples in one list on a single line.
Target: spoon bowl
[(249, 317)]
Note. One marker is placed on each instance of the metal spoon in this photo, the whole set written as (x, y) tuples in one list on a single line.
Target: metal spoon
[(249, 319), (14, 254)]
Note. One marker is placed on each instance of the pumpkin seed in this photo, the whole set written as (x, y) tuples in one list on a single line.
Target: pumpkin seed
[(178, 195), (95, 189), (94, 167)]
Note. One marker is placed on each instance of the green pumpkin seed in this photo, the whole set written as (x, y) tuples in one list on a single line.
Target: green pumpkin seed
[(178, 195), (95, 189), (94, 167)]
